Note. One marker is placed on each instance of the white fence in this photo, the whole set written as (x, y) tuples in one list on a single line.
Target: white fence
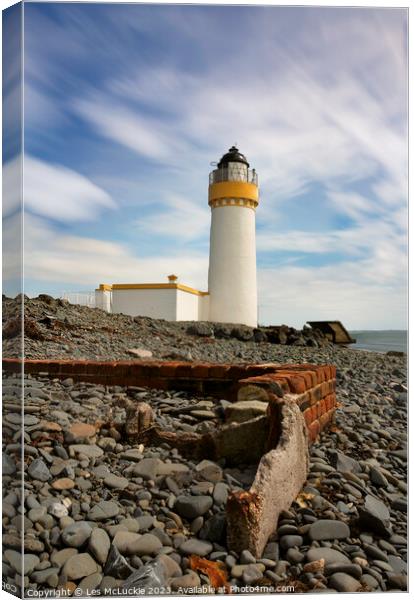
[(82, 298)]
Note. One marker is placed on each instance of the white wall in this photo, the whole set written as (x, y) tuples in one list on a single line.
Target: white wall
[(103, 300), (187, 306), (232, 269), (204, 308), (156, 303)]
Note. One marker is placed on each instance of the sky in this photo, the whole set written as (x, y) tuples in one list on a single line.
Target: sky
[(126, 106)]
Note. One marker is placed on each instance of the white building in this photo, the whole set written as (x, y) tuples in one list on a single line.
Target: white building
[(233, 196)]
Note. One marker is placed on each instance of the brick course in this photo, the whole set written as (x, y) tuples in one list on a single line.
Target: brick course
[(312, 386)]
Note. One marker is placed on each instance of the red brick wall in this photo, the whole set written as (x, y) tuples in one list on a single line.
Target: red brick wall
[(313, 386)]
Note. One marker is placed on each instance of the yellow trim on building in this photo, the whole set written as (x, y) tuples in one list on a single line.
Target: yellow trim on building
[(237, 202), (233, 189), (152, 286), (104, 287)]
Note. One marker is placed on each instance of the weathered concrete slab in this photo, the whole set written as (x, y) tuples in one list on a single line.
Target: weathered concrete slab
[(333, 331), (252, 516)]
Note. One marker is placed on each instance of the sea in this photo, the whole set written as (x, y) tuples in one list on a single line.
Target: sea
[(380, 341)]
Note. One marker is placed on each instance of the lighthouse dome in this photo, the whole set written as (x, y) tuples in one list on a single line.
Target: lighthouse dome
[(232, 156)]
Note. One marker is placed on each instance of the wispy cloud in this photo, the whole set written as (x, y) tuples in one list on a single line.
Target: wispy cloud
[(180, 218), (145, 136), (61, 194), (347, 293), (299, 128), (87, 261), (12, 186)]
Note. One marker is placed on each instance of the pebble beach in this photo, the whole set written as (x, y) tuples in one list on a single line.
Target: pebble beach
[(102, 514)]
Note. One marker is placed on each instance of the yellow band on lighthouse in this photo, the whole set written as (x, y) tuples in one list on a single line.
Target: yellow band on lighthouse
[(233, 189)]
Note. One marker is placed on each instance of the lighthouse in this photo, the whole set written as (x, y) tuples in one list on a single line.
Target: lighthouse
[(233, 196)]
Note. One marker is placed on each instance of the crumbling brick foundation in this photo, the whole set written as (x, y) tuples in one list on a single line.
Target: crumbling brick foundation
[(300, 400)]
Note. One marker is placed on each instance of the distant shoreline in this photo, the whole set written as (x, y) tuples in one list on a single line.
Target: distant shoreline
[(380, 340)]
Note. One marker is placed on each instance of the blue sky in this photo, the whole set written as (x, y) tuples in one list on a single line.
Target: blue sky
[(127, 105)]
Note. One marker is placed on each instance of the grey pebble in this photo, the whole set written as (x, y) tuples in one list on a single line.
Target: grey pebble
[(39, 470), (191, 507), (344, 583), (77, 534), (288, 541), (195, 546), (326, 529)]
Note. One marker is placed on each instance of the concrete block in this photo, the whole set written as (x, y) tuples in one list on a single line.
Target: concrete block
[(252, 516)]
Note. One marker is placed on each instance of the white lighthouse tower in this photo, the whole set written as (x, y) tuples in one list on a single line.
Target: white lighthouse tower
[(233, 195), (232, 284)]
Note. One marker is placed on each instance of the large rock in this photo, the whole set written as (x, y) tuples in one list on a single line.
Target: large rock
[(132, 454), (172, 568), (126, 541), (186, 582), (64, 483), (239, 412), (191, 507), (220, 493), (38, 470), (87, 586), (375, 516), (43, 576), (147, 468), (147, 544), (222, 330), (79, 432), (200, 328), (88, 450), (397, 564), (116, 482), (8, 465), (79, 566), (148, 578), (21, 565), (129, 542), (209, 471), (251, 574), (378, 478), (326, 529), (344, 464), (103, 510), (328, 554), (59, 558), (116, 565), (77, 534), (214, 529), (242, 333), (290, 541), (171, 468), (341, 582), (197, 547), (99, 544)]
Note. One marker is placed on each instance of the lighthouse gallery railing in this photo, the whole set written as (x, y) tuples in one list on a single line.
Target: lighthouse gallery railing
[(233, 174)]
